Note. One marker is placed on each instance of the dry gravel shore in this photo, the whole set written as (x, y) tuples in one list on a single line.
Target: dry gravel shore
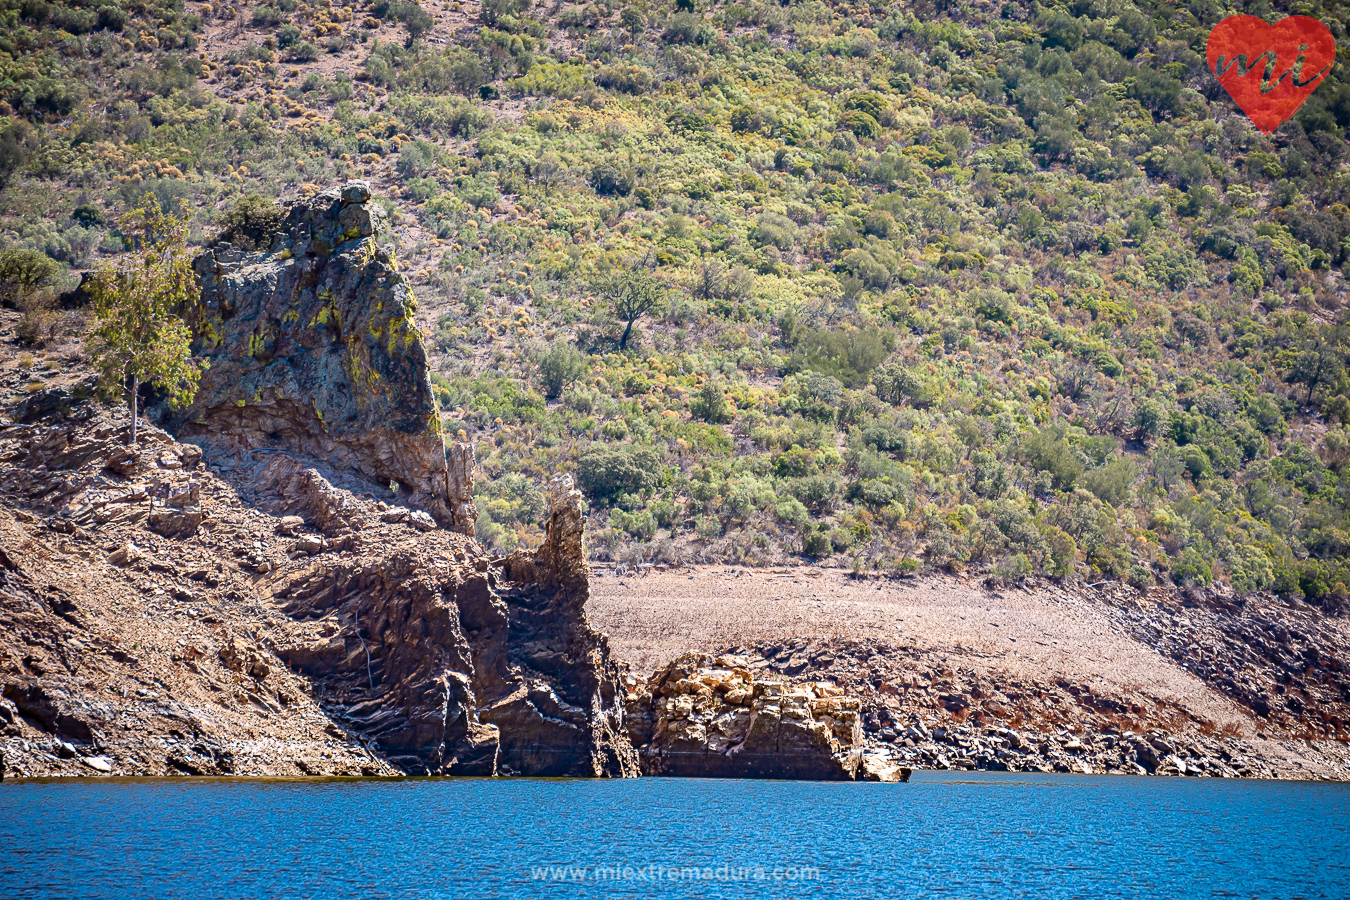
[(1045, 658)]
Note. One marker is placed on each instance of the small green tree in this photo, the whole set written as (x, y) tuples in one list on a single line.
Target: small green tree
[(631, 294), (633, 21), (139, 336), (1150, 420), (607, 473), (1316, 362), (414, 18), (561, 365), (493, 11)]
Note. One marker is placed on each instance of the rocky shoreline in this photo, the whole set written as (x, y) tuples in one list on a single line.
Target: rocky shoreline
[(280, 588), (998, 749)]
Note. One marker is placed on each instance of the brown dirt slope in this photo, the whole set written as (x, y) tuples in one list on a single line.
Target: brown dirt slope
[(128, 651)]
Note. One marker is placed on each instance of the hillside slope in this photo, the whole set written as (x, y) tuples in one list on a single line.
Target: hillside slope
[(934, 286)]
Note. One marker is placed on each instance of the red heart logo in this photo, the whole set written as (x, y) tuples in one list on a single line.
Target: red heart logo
[(1270, 69)]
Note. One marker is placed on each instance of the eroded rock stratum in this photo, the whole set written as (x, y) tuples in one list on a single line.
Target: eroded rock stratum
[(702, 716)]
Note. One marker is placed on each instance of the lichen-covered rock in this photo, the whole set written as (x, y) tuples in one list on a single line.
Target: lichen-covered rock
[(313, 349), (709, 717)]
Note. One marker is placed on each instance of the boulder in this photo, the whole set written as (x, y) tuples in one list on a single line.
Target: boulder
[(309, 544), (98, 763), (296, 489), (174, 521), (289, 525), (126, 555), (704, 716)]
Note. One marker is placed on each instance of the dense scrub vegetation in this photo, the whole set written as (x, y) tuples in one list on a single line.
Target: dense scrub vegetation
[(963, 285)]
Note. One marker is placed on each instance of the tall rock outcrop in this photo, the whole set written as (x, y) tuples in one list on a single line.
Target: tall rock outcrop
[(313, 350), (551, 636), (461, 666)]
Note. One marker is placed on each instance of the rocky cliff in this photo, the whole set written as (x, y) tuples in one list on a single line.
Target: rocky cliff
[(161, 615), (454, 664), (313, 350)]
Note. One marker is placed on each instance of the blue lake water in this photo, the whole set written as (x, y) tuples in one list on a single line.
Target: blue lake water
[(949, 835)]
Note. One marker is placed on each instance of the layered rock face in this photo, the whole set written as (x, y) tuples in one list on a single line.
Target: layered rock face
[(158, 619), (708, 717), (313, 349), (458, 666)]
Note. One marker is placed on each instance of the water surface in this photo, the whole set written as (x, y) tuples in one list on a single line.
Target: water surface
[(944, 835)]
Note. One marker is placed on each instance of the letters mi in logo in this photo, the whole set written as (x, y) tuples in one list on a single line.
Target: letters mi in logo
[(1270, 69)]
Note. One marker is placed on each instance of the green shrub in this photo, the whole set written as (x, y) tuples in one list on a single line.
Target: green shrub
[(710, 403), (1013, 568), (303, 52), (415, 19), (994, 305), (790, 511), (249, 222), (25, 274), (773, 230), (816, 492), (847, 354), (493, 11), (612, 178), (816, 543), (640, 525), (860, 123), (1048, 452), (266, 16), (687, 28), (1113, 481), (559, 367), (606, 473), (1192, 569)]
